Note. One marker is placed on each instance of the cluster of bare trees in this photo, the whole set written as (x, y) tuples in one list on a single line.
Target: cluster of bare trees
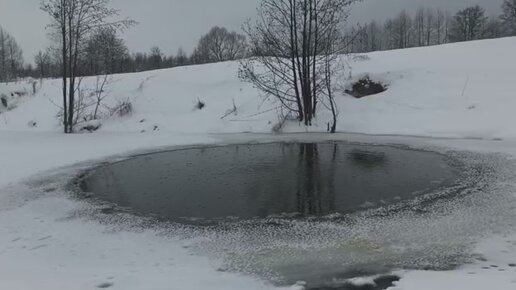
[(11, 57), (105, 52), (432, 27), (509, 16), (73, 23), (295, 45), (218, 45)]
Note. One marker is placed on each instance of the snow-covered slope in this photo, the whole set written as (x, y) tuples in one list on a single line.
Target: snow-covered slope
[(455, 90)]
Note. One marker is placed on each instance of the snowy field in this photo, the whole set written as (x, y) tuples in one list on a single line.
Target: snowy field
[(456, 97)]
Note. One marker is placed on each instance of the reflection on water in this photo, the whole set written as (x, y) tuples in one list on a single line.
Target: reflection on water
[(248, 181), (367, 158)]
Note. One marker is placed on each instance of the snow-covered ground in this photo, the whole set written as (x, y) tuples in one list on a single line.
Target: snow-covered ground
[(458, 96)]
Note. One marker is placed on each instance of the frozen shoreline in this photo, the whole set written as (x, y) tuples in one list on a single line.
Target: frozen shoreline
[(51, 250)]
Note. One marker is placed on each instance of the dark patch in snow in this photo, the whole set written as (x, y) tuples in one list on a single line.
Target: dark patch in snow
[(366, 87), (38, 247), (105, 285), (32, 124), (200, 105), (45, 238)]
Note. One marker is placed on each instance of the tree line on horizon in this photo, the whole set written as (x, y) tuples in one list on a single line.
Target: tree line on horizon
[(428, 27), (105, 51)]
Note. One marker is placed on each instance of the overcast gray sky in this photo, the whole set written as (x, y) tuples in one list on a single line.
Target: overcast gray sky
[(171, 24)]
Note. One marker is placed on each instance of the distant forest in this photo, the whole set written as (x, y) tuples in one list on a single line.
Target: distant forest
[(105, 52)]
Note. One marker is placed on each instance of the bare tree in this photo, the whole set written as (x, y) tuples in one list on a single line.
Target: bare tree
[(494, 28), (398, 32), (181, 57), (374, 34), (220, 45), (448, 20), (43, 62), (429, 26), (330, 70), (468, 24), (156, 57), (509, 16), (403, 32), (292, 43), (3, 55), (105, 52), (74, 22), (11, 57), (419, 24), (102, 82), (439, 26)]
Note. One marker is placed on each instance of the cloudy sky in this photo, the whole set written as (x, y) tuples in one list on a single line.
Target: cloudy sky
[(171, 24)]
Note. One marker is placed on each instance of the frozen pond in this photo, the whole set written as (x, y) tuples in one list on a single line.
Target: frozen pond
[(317, 212), (258, 181)]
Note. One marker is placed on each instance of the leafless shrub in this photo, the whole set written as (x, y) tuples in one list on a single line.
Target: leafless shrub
[(232, 111), (122, 109), (90, 104), (284, 117)]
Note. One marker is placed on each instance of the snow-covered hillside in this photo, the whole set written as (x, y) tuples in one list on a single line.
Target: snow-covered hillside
[(455, 90), (465, 91)]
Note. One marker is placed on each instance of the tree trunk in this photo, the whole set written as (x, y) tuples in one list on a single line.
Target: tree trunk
[(71, 87), (65, 72), (293, 56), (315, 52)]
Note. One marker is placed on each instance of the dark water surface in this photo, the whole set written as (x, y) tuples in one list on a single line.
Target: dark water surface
[(248, 181)]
